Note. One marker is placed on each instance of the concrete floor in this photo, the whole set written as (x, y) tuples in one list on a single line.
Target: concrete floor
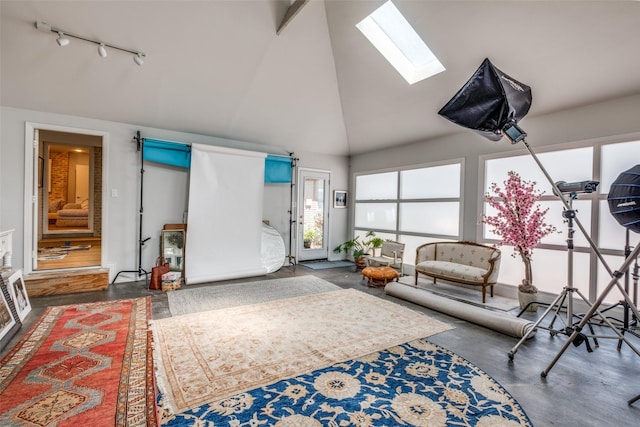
[(582, 389)]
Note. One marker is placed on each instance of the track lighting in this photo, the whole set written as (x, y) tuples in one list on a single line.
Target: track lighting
[(138, 59), (63, 40)]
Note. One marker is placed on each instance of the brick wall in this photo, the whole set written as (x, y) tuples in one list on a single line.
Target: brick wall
[(97, 191), (59, 176)]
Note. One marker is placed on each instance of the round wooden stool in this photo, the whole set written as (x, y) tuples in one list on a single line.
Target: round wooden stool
[(379, 276)]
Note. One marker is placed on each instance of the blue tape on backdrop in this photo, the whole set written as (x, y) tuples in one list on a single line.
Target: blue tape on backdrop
[(170, 153), (277, 169)]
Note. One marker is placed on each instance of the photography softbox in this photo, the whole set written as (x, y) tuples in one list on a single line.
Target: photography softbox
[(488, 101), (624, 199)]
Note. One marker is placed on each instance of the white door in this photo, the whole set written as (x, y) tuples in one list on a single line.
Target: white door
[(313, 215), (82, 183)]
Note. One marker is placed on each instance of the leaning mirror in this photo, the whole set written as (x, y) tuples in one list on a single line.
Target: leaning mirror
[(173, 249)]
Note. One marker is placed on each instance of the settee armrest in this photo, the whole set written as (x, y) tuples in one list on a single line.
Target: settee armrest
[(425, 252), (494, 267)]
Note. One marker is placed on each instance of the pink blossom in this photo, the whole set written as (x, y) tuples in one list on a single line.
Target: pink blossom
[(520, 220)]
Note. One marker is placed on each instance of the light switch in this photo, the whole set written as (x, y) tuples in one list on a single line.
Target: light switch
[(114, 192)]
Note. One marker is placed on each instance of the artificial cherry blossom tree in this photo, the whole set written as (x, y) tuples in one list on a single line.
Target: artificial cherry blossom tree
[(519, 220)]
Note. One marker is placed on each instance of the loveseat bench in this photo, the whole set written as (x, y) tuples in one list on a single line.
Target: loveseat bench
[(459, 262)]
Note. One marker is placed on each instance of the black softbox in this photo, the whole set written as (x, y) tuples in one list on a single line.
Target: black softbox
[(488, 101), (624, 199)]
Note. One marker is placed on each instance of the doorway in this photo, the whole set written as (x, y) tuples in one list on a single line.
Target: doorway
[(313, 215), (65, 231)]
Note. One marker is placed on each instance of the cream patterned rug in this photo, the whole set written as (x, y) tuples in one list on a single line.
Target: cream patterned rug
[(208, 356), (215, 297)]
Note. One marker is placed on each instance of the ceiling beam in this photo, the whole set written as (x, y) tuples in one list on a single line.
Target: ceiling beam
[(291, 13)]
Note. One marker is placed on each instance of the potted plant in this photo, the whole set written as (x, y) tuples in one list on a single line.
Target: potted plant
[(359, 248), (520, 223), (309, 236)]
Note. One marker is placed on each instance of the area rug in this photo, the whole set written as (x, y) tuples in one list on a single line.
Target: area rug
[(59, 252), (51, 254), (321, 265), (469, 295), (213, 355), (214, 297), (82, 365), (414, 384)]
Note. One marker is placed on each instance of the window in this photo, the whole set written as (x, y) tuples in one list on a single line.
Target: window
[(413, 206), (388, 30), (593, 161)]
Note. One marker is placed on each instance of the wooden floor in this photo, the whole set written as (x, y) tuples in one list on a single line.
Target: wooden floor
[(583, 389), (74, 259)]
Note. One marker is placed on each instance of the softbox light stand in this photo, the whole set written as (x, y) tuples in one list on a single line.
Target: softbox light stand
[(566, 295), (629, 323), (141, 241), (491, 103)]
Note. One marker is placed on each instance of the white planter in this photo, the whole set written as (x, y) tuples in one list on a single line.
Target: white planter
[(525, 298)]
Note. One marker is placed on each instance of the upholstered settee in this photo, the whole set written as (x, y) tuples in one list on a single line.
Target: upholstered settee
[(459, 262), (73, 215)]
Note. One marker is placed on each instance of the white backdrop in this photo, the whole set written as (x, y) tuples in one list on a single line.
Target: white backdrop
[(225, 214)]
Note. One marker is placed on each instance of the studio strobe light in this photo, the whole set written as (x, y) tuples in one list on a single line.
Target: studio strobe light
[(492, 103), (624, 199)]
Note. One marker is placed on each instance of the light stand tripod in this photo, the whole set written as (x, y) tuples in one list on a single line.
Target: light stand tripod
[(628, 324), (140, 271), (593, 309), (566, 295)]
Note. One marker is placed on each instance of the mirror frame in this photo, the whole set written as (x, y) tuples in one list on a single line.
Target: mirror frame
[(173, 249)]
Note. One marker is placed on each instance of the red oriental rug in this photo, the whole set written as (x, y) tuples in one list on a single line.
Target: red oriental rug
[(82, 365)]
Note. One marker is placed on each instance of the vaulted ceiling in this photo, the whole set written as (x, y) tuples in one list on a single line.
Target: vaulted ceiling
[(219, 68)]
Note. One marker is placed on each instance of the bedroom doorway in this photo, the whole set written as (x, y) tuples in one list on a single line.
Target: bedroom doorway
[(66, 221)]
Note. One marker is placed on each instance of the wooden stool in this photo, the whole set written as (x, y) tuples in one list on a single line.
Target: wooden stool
[(379, 276)]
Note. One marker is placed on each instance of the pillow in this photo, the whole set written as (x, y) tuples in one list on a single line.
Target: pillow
[(56, 205), (84, 204)]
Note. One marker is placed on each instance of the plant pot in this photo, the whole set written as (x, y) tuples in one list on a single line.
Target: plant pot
[(360, 263), (307, 243), (528, 297)]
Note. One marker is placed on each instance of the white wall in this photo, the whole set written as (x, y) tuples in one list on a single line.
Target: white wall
[(165, 187), (612, 119)]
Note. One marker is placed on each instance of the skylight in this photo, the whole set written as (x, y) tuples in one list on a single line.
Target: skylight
[(398, 42)]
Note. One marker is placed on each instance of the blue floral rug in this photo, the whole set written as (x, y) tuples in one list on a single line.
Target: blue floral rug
[(414, 384)]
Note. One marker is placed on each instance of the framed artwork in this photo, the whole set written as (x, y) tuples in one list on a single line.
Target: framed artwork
[(18, 293), (339, 199), (8, 324)]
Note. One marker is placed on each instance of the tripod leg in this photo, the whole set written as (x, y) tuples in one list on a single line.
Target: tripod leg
[(593, 309), (556, 315), (535, 326), (632, 401)]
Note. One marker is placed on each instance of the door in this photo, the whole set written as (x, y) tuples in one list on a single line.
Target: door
[(82, 183), (313, 215), (50, 245)]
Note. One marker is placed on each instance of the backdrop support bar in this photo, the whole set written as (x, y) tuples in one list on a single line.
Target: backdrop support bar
[(141, 241)]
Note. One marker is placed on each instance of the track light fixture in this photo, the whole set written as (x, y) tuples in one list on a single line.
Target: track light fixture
[(138, 59), (63, 40)]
